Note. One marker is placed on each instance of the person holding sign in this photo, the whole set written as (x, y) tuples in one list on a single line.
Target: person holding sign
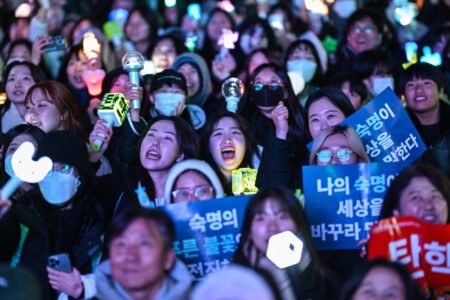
[(272, 211), (423, 86), (338, 145), (192, 180), (420, 191), (227, 145)]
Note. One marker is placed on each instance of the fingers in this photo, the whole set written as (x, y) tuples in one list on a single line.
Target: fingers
[(101, 132), (280, 111)]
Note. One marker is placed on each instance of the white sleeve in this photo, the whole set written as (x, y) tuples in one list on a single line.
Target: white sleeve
[(89, 288)]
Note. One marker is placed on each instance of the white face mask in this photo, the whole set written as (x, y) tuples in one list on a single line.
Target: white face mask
[(58, 188), (381, 83), (344, 8), (305, 67), (8, 166), (166, 103)]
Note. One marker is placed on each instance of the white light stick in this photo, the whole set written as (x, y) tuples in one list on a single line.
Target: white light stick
[(233, 89), (26, 169), (133, 62), (284, 249)]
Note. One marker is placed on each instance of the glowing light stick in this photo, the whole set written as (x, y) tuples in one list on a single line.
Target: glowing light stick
[(227, 39), (113, 109), (233, 89), (26, 169), (317, 7), (113, 32), (91, 46), (243, 181), (133, 62), (284, 249), (428, 56), (93, 80)]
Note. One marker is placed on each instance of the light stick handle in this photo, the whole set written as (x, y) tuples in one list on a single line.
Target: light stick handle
[(10, 187)]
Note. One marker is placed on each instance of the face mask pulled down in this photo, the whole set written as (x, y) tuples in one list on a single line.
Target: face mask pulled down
[(58, 188)]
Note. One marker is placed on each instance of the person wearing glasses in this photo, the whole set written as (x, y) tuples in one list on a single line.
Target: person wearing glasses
[(192, 180), (276, 120), (338, 145)]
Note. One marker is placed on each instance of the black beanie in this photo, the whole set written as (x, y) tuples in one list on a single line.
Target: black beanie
[(65, 147)]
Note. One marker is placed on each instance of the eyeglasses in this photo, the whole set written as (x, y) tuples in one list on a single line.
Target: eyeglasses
[(257, 86), (200, 192), (343, 155), (367, 30)]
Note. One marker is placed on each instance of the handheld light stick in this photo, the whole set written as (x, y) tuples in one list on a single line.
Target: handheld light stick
[(227, 41), (284, 249), (113, 109), (93, 80), (133, 62), (233, 89), (26, 169), (91, 46), (243, 181)]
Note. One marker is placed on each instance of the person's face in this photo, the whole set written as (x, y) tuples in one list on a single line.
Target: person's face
[(271, 220), (43, 113), (268, 77), (256, 60), (323, 114), (139, 258), (363, 35), (302, 51), (380, 283), (160, 149), (227, 144), (214, 28), (422, 95), (164, 54), (18, 83), (75, 70), (338, 146), (119, 84), (137, 29), (83, 25), (191, 186), (19, 140), (423, 200), (20, 52), (192, 77), (354, 97)]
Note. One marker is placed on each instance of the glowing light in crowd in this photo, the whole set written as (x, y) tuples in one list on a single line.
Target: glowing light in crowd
[(228, 38)]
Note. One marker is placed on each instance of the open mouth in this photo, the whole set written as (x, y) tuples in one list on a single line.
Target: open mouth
[(153, 155), (228, 153), (429, 218), (421, 98)]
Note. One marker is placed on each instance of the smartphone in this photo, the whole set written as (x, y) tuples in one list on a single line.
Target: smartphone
[(194, 11), (58, 44), (60, 262)]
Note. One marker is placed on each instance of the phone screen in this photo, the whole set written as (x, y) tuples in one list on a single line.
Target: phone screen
[(194, 11)]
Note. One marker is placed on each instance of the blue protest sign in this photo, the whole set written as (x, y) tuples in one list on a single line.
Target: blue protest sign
[(207, 232), (386, 130), (343, 201)]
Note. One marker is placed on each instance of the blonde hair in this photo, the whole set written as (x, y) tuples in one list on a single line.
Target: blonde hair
[(352, 137)]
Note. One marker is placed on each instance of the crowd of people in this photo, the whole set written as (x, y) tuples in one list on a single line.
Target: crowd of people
[(306, 66)]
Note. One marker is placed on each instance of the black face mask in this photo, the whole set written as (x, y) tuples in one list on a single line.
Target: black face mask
[(267, 95)]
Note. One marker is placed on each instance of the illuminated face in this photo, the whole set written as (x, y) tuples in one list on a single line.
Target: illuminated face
[(354, 97), (20, 52), (338, 150), (323, 114), (422, 95), (227, 145), (43, 113), (159, 149), (363, 35), (18, 83), (256, 60), (75, 69), (192, 186), (119, 84), (423, 200), (268, 77), (164, 54), (137, 29), (272, 219), (302, 51), (381, 283), (138, 258), (192, 77), (214, 28)]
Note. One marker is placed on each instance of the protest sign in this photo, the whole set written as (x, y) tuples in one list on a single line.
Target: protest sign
[(423, 247), (207, 232), (343, 201), (386, 130)]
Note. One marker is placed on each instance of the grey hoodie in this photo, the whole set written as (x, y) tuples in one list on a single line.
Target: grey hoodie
[(176, 286)]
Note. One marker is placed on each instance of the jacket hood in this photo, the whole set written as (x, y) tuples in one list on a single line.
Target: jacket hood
[(205, 77), (176, 285), (192, 164)]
